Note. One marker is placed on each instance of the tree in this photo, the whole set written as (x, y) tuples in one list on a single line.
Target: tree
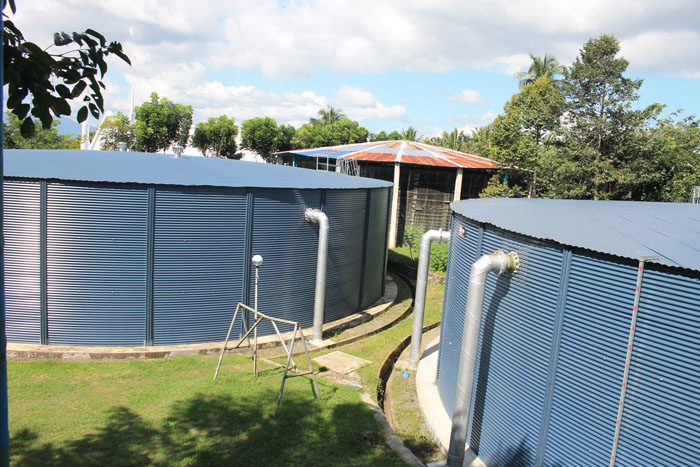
[(498, 187), (383, 136), (285, 136), (410, 134), (160, 123), (344, 131), (52, 80), (117, 129), (518, 134), (601, 126), (328, 116), (40, 139), (217, 137), (546, 67), (260, 135)]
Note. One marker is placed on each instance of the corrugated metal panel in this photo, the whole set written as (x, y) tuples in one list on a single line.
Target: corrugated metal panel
[(622, 228), (21, 210), (464, 250), (346, 216), (515, 348), (591, 361), (96, 265), (198, 263), (288, 245), (663, 393), (163, 169), (376, 247)]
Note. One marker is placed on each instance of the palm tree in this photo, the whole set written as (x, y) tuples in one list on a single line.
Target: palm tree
[(329, 115), (410, 134), (453, 140), (546, 67)]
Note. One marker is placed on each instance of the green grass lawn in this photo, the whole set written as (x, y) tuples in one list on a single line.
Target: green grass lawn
[(170, 412)]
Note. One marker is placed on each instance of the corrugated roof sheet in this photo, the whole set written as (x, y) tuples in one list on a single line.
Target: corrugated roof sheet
[(629, 229), (419, 153), (164, 169)]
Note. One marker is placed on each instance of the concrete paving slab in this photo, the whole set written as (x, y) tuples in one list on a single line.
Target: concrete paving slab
[(436, 417), (340, 362)]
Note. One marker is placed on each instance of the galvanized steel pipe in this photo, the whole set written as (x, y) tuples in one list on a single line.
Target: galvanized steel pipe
[(319, 217), (499, 263), (421, 286)]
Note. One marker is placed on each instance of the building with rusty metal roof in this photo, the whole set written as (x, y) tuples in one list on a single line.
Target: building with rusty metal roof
[(426, 177)]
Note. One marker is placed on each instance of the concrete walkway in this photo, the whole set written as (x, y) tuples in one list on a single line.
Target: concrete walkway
[(439, 422)]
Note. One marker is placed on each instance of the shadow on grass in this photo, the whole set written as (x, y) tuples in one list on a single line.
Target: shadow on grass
[(221, 430)]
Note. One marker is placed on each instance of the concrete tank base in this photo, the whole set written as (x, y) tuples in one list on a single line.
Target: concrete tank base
[(434, 413)]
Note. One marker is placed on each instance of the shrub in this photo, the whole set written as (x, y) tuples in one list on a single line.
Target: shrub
[(438, 257), (411, 237)]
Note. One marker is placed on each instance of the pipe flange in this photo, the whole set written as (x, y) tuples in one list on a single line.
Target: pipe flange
[(514, 262)]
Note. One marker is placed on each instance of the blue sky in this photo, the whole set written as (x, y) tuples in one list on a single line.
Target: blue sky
[(434, 65)]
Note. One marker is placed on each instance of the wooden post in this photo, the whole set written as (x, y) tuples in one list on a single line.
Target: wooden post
[(394, 220), (458, 185)]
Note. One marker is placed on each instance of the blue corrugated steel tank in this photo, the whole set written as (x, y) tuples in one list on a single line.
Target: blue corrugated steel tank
[(555, 336), (132, 249)]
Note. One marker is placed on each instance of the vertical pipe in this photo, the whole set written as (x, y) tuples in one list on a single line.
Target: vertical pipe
[(319, 217), (628, 358), (421, 286), (255, 332), (499, 263), (394, 219)]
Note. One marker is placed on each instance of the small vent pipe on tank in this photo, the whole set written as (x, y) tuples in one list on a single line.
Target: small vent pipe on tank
[(319, 217), (177, 151), (498, 262), (421, 285)]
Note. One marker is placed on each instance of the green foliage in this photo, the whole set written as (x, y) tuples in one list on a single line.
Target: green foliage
[(600, 137), (343, 131), (410, 134), (438, 257), (328, 116), (285, 136), (52, 80), (217, 137), (160, 123), (40, 139), (117, 129), (546, 67), (497, 187), (383, 136), (518, 134), (261, 135), (412, 237)]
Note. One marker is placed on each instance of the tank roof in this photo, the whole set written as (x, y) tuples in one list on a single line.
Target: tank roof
[(630, 229), (164, 169)]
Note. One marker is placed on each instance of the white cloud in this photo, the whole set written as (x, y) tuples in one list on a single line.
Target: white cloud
[(659, 51), (468, 97), (294, 39), (468, 123), (360, 105)]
